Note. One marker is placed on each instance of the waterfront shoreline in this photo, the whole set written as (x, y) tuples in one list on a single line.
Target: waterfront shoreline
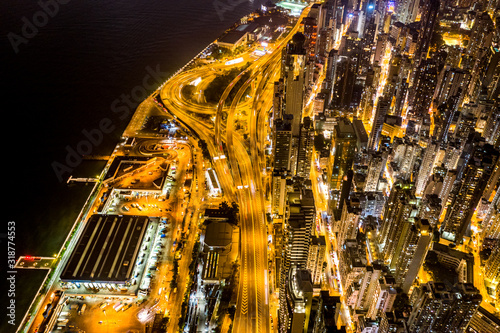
[(74, 233)]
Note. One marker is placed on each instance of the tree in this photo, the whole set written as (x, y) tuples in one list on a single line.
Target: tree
[(188, 91), (164, 324), (204, 149), (234, 210), (402, 302), (175, 273), (220, 52), (224, 206), (231, 211), (216, 87), (484, 254)]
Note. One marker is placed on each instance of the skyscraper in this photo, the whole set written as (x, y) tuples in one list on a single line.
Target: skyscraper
[(282, 144), (428, 19), (305, 149), (293, 73), (376, 166), (383, 105), (414, 251), (407, 10), (466, 300), (492, 269), (344, 148), (344, 80), (401, 205), (425, 168), (430, 303), (328, 313), (472, 183), (278, 195), (299, 222), (317, 252), (297, 307)]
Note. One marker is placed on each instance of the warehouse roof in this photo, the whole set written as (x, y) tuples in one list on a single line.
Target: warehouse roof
[(107, 249)]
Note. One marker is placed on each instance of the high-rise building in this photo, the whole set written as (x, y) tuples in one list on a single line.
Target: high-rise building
[(383, 105), (407, 10), (293, 73), (299, 222), (423, 87), (305, 149), (472, 184), (369, 289), (428, 19), (282, 144), (370, 203), (481, 37), (343, 82), (491, 229), (279, 250), (344, 149), (278, 193), (404, 156), (328, 315), (425, 168), (316, 258), (376, 167), (466, 300), (492, 269), (415, 249), (452, 82), (294, 316), (448, 183), (278, 100), (443, 119), (347, 226), (430, 303), (440, 308), (331, 74), (431, 208), (383, 297), (491, 131), (297, 232), (483, 322), (400, 207), (352, 267)]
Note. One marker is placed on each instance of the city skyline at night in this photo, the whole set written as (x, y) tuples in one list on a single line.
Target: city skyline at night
[(329, 166)]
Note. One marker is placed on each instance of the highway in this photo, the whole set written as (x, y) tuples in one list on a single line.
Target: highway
[(240, 172), (252, 310), (253, 299)]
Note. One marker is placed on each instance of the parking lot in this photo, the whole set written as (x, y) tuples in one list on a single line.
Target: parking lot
[(99, 314)]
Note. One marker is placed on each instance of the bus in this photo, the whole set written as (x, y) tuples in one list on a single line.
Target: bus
[(118, 306)]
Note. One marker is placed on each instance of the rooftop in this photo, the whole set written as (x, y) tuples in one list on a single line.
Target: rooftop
[(107, 249), (218, 234)]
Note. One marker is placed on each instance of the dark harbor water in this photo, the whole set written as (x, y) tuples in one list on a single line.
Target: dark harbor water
[(63, 65)]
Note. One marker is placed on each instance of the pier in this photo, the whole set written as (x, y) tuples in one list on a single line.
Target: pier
[(71, 179)]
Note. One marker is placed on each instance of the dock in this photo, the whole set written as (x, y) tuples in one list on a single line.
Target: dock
[(72, 179)]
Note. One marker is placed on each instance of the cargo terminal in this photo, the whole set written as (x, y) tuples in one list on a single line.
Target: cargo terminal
[(111, 254)]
